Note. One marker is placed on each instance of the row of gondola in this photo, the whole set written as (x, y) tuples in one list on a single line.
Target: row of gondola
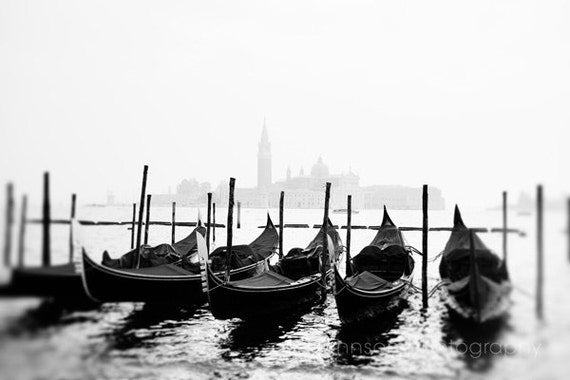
[(251, 281)]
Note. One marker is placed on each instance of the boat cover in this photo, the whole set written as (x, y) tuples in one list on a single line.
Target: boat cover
[(243, 255), (299, 263), (264, 279), (158, 255), (455, 261), (368, 281), (389, 263), (160, 270)]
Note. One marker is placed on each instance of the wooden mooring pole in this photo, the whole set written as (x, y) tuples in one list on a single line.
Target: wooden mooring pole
[(325, 243), (229, 228), (141, 207), (281, 221), (209, 222), (173, 237), (568, 227), (540, 253), (425, 229), (239, 215), (147, 220), (22, 233), (9, 224), (72, 216), (214, 223), (505, 225), (46, 219), (133, 224), (348, 234)]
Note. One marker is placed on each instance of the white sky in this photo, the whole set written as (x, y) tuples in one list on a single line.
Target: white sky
[(471, 97)]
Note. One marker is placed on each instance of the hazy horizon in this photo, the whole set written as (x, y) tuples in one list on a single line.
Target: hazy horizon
[(472, 100)]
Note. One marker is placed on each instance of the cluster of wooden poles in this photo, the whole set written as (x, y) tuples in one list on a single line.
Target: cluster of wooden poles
[(145, 199)]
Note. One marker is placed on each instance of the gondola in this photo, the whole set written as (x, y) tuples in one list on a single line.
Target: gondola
[(60, 282), (177, 282), (377, 279), (476, 281), (294, 283)]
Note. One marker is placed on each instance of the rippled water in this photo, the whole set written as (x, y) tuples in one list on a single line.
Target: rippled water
[(41, 340)]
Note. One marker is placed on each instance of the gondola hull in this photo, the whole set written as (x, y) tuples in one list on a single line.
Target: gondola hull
[(60, 282), (253, 303), (115, 285), (492, 300), (357, 306)]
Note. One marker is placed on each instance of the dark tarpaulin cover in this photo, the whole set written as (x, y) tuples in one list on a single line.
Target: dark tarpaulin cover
[(264, 279), (368, 281), (158, 255), (389, 263), (299, 263), (386, 256), (456, 262), (243, 255)]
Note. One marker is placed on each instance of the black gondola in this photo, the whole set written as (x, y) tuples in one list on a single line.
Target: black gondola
[(177, 282), (377, 279), (292, 284), (61, 282), (477, 285)]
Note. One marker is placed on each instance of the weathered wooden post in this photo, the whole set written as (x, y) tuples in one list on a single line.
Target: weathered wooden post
[(281, 221), (147, 220), (9, 224), (46, 221), (72, 216), (141, 207), (348, 234), (173, 237), (425, 229), (539, 251), (208, 225), (213, 223), (325, 243), (133, 224), (505, 227), (229, 228), (239, 215), (22, 233)]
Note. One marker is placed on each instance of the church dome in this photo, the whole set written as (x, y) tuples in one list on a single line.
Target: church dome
[(319, 169)]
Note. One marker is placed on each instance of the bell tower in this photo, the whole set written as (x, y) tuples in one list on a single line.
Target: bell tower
[(264, 160)]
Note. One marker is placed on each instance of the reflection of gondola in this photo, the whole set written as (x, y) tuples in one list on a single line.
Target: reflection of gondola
[(477, 282), (175, 282), (157, 320), (476, 343), (293, 283), (48, 313), (249, 339), (356, 344), (378, 277)]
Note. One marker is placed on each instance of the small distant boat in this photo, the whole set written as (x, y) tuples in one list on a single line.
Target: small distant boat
[(377, 279), (294, 283), (344, 211), (477, 285), (176, 282)]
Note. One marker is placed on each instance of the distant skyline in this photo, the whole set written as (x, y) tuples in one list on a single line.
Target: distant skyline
[(473, 100)]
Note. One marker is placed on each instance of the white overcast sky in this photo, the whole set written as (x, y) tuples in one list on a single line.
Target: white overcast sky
[(472, 97)]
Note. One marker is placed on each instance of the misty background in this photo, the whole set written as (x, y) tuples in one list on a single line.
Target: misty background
[(470, 98)]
